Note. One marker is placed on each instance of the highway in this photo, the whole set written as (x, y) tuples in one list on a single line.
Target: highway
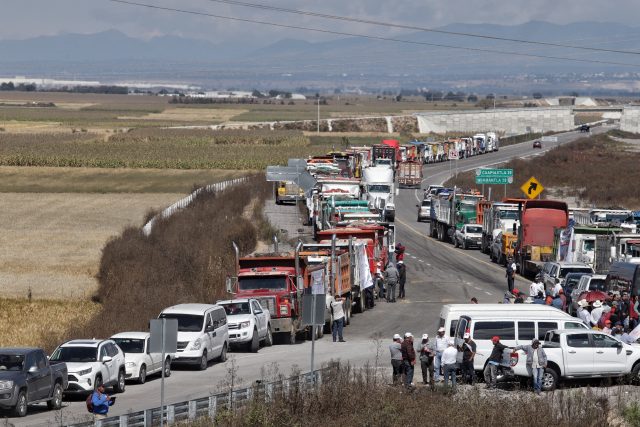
[(437, 274)]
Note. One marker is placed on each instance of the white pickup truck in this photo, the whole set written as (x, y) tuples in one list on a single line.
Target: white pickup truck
[(580, 353), (468, 235)]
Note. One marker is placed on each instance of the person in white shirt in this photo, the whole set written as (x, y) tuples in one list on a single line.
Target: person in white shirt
[(535, 288), (442, 343), (556, 290), (596, 313), (449, 360), (583, 313), (337, 308)]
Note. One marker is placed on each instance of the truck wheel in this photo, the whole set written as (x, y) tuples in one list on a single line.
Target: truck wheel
[(635, 375), (549, 380), (121, 384), (142, 376), (347, 312), (20, 409), (254, 344), (327, 325), (268, 340), (203, 361), (455, 242), (56, 398)]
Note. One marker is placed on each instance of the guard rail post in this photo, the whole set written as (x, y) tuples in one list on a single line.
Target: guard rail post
[(213, 406), (171, 414), (123, 420), (148, 418), (192, 409)]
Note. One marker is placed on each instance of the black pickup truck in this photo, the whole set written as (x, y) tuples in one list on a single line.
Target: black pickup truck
[(27, 377)]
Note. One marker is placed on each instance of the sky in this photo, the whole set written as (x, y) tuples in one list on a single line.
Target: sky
[(22, 19)]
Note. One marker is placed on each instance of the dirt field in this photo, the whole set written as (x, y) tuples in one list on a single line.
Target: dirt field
[(52, 243)]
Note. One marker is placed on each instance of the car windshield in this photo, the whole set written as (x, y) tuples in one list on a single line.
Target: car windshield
[(11, 362), (75, 354), (475, 229), (237, 308), (379, 188), (186, 322), (566, 270), (264, 282), (597, 285), (508, 214), (130, 345), (426, 203)]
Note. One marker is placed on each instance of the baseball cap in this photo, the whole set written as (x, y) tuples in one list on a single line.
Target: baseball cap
[(441, 329), (397, 337), (400, 262), (607, 322), (408, 334), (515, 291), (425, 336), (495, 339), (467, 335)]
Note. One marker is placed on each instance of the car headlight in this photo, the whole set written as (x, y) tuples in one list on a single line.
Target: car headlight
[(131, 364), (84, 372), (245, 324), (196, 344), (6, 385)]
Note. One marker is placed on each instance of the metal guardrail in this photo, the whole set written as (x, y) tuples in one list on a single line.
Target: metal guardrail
[(209, 406), (186, 201)]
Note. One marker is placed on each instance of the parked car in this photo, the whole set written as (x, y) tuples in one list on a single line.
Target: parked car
[(584, 128), (469, 235), (424, 210), (432, 190), (537, 144), (249, 323), (90, 363), (555, 272), (26, 376), (140, 362), (588, 282), (573, 354), (203, 334)]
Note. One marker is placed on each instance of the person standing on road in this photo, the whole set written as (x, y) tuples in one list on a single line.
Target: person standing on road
[(337, 309), (408, 359), (510, 274), (399, 251), (427, 354), (491, 370), (596, 313), (468, 354), (536, 362), (449, 361), (402, 278), (536, 287), (380, 279), (396, 358), (441, 345), (391, 277), (100, 403)]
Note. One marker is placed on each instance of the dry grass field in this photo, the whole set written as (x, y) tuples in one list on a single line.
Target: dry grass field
[(52, 243)]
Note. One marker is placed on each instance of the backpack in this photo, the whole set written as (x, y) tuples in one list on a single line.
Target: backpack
[(89, 403)]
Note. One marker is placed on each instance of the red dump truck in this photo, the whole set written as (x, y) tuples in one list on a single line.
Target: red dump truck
[(410, 174)]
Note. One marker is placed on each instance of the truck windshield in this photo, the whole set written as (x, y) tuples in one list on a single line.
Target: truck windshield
[(383, 162), (589, 245), (186, 322), (426, 203), (566, 270), (508, 214), (237, 308), (129, 345), (75, 354), (597, 285), (254, 283), (379, 188), (11, 362), (474, 229)]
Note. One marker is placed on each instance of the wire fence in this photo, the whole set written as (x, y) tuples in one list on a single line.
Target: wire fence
[(186, 201), (210, 405)]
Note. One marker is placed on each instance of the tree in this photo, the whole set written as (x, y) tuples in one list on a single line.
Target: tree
[(537, 95), (472, 98), (490, 96), (574, 94)]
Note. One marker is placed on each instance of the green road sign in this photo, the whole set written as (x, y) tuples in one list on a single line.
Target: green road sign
[(493, 173), (494, 180)]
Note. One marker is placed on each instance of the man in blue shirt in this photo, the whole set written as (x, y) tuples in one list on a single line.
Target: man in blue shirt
[(101, 402)]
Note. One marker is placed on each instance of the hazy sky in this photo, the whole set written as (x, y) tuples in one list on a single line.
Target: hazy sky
[(28, 18)]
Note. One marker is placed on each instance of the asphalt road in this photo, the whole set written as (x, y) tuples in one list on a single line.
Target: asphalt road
[(437, 274)]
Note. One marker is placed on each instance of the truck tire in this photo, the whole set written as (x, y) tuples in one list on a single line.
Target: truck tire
[(254, 344), (360, 305), (549, 380), (635, 374), (455, 242), (464, 245), (347, 311), (20, 410), (56, 397), (121, 384), (268, 340), (327, 325)]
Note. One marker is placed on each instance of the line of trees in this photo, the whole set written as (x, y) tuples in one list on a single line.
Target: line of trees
[(9, 86)]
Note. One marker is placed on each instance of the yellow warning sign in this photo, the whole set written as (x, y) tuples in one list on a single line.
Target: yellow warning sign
[(532, 188)]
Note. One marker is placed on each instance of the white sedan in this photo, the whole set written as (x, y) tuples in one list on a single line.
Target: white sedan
[(139, 361)]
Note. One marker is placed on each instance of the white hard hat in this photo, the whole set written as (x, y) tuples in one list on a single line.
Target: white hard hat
[(441, 329), (408, 334), (467, 335), (425, 336), (397, 337)]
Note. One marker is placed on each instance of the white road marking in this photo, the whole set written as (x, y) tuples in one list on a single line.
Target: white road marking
[(487, 292), (421, 260), (477, 288), (412, 256)]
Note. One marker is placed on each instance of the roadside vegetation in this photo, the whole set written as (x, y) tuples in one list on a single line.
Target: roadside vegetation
[(185, 259), (595, 170)]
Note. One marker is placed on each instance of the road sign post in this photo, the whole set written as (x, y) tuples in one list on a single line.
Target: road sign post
[(532, 188), (164, 339)]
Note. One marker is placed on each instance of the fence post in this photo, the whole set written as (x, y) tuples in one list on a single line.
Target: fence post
[(192, 409), (98, 423), (318, 377), (285, 387), (171, 414), (148, 418), (213, 406), (124, 420), (249, 393)]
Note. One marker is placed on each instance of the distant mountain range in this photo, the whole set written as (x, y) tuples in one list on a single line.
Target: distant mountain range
[(92, 54)]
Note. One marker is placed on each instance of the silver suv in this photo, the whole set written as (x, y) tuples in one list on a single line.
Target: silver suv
[(555, 272)]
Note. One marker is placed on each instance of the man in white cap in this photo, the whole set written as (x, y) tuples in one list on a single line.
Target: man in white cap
[(442, 343), (427, 353), (408, 359), (449, 363), (596, 313), (395, 348), (468, 349), (583, 313)]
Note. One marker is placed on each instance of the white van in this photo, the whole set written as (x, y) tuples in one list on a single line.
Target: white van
[(515, 324), (203, 333)]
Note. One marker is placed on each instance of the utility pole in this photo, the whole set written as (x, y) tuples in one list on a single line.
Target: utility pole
[(318, 122)]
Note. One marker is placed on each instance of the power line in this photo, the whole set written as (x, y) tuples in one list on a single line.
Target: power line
[(391, 39), (416, 28)]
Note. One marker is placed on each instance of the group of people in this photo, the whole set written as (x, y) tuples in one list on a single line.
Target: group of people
[(394, 275), (438, 359)]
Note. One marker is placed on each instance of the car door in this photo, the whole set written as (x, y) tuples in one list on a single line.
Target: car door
[(32, 377), (209, 334), (260, 318), (43, 375), (578, 355), (222, 330), (152, 359), (118, 358), (107, 367), (610, 356)]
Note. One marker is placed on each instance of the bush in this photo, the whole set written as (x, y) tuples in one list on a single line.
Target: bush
[(631, 414)]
